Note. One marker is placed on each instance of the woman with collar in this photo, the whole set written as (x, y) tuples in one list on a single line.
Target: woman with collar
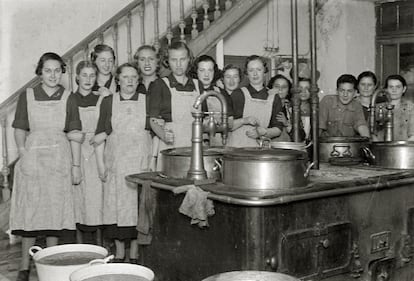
[(122, 122), (255, 108), (403, 130), (104, 58), (205, 69), (42, 198), (171, 101), (88, 192)]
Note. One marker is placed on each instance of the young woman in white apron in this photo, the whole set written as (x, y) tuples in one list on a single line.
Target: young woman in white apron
[(127, 151), (88, 191), (205, 69), (171, 102), (147, 59), (104, 58), (42, 199), (255, 109)]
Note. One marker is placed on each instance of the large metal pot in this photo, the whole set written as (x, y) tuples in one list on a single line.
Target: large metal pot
[(176, 161), (395, 154), (257, 168), (342, 147), (250, 275)]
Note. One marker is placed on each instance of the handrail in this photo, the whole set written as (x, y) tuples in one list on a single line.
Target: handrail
[(5, 105)]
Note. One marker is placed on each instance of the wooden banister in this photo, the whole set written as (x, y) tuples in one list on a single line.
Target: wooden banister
[(5, 106)]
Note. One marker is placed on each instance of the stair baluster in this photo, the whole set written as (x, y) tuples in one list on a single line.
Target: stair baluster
[(206, 22), (169, 34), (101, 38), (217, 12), (228, 4), (86, 52), (141, 11), (115, 40), (194, 31), (181, 25), (156, 25), (129, 39)]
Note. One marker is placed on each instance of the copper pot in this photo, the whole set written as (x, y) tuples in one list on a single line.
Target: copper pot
[(394, 154)]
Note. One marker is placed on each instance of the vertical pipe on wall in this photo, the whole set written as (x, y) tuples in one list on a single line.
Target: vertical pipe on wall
[(141, 12), (295, 90), (194, 31), (181, 25), (129, 39), (314, 90), (169, 34), (69, 69), (101, 38), (5, 171), (86, 52)]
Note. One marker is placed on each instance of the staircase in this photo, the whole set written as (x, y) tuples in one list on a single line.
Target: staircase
[(199, 23)]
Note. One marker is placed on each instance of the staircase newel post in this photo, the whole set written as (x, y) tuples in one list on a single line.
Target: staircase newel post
[(141, 11), (194, 31), (181, 25), (5, 171), (156, 26)]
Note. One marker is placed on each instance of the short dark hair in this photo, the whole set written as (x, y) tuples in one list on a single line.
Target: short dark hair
[(84, 64), (395, 77), (256, 57), (369, 74), (280, 76), (232, 66), (99, 49), (122, 66), (346, 78), (205, 58), (49, 56)]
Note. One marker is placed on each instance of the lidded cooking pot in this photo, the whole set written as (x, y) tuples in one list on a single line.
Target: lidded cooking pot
[(342, 147), (258, 168)]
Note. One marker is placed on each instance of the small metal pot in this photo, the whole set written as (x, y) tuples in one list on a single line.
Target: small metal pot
[(176, 162), (395, 154), (257, 168), (346, 147)]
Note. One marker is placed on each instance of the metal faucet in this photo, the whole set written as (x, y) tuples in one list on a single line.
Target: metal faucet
[(384, 120), (197, 171)]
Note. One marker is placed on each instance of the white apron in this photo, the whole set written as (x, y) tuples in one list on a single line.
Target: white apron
[(181, 125), (261, 109), (127, 151), (88, 193), (42, 196)]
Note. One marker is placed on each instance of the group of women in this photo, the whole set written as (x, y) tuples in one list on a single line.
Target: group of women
[(75, 149)]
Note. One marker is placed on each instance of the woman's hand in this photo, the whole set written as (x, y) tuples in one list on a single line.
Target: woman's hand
[(250, 120), (103, 172), (168, 136), (76, 175), (103, 91), (98, 139), (21, 151), (256, 132), (280, 117)]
